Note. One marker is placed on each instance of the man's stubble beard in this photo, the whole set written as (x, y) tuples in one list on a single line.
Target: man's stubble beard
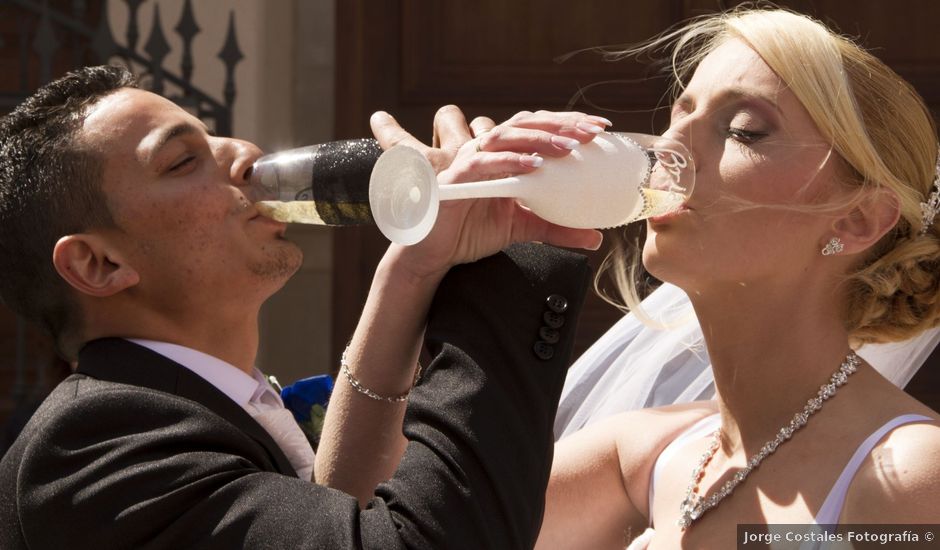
[(280, 262)]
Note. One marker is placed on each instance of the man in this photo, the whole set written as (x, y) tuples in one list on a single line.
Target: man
[(129, 233)]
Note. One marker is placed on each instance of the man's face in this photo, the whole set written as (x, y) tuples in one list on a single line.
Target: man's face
[(178, 199)]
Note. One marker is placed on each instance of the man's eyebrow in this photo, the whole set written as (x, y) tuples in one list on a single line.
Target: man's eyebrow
[(169, 134)]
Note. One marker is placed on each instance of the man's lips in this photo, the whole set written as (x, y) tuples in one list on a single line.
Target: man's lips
[(259, 218)]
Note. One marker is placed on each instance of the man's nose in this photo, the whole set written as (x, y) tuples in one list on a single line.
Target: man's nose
[(237, 157)]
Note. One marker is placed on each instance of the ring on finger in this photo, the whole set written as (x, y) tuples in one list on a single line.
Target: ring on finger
[(477, 134)]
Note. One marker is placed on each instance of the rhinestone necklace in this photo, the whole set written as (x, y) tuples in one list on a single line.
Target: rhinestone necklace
[(695, 506)]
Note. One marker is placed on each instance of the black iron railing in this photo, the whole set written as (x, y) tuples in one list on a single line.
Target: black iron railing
[(42, 39), (43, 31)]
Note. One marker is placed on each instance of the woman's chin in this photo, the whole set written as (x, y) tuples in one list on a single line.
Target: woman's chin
[(667, 265), (655, 264), (655, 259)]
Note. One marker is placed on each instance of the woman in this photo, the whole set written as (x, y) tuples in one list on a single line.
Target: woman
[(805, 236)]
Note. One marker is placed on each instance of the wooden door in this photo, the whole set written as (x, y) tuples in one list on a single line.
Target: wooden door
[(495, 57)]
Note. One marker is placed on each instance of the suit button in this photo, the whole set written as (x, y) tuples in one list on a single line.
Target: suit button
[(557, 303), (553, 320), (549, 335), (543, 351)]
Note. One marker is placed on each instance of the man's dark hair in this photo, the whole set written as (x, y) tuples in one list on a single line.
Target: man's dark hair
[(50, 186)]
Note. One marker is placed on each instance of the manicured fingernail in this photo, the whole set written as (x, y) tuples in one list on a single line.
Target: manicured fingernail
[(598, 243), (601, 119), (589, 128), (532, 161), (563, 142)]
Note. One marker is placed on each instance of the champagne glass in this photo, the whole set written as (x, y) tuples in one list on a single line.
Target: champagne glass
[(325, 184), (615, 179)]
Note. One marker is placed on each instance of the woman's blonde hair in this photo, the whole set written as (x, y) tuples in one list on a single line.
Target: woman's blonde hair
[(878, 126)]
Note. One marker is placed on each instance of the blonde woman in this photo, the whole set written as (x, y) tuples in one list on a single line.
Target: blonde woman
[(810, 232)]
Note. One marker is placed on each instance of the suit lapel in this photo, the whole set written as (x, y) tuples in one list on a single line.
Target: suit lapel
[(117, 360)]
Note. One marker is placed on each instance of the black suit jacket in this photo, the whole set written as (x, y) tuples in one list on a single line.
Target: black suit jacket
[(135, 451)]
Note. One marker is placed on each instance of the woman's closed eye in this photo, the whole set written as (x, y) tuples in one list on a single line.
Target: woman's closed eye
[(745, 136)]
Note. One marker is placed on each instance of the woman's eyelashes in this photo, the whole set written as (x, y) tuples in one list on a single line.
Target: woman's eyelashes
[(740, 126), (743, 128), (745, 136)]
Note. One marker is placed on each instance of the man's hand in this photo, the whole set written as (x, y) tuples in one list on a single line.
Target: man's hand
[(467, 230), (450, 132)]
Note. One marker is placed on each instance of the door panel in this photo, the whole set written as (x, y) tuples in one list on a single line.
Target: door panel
[(494, 58)]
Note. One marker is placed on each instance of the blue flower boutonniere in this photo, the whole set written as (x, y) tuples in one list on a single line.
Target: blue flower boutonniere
[(307, 400)]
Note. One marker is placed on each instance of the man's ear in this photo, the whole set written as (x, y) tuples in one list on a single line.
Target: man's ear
[(863, 226), (93, 267)]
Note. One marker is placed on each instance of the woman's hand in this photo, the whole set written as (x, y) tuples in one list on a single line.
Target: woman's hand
[(467, 230)]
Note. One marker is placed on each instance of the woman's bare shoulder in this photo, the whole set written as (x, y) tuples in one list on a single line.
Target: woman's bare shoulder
[(639, 427), (899, 482), (643, 427), (643, 434)]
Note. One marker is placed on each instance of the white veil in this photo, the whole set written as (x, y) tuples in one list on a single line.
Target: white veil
[(634, 366)]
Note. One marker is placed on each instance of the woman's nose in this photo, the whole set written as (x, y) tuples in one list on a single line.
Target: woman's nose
[(682, 133)]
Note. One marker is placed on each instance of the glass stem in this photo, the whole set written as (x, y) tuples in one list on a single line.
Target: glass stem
[(504, 187)]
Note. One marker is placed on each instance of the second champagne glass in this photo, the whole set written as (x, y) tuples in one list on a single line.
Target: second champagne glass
[(615, 179)]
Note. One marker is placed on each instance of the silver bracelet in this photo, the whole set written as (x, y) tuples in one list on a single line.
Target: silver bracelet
[(357, 385)]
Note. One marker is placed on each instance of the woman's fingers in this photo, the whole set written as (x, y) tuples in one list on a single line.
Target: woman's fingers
[(579, 126), (546, 133), (543, 133), (486, 166), (546, 120), (546, 143)]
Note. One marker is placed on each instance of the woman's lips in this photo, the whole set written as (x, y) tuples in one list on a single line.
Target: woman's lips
[(663, 218)]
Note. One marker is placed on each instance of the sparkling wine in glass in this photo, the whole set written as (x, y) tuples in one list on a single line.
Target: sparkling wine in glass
[(615, 179), (325, 184)]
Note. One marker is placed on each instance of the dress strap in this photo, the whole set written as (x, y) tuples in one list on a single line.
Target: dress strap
[(701, 428), (832, 507)]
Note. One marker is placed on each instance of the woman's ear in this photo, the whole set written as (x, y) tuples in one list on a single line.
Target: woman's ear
[(90, 265), (875, 214)]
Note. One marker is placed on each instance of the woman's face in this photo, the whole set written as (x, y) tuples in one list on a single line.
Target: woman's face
[(757, 154)]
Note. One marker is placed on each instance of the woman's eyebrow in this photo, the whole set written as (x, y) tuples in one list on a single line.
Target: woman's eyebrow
[(732, 93)]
